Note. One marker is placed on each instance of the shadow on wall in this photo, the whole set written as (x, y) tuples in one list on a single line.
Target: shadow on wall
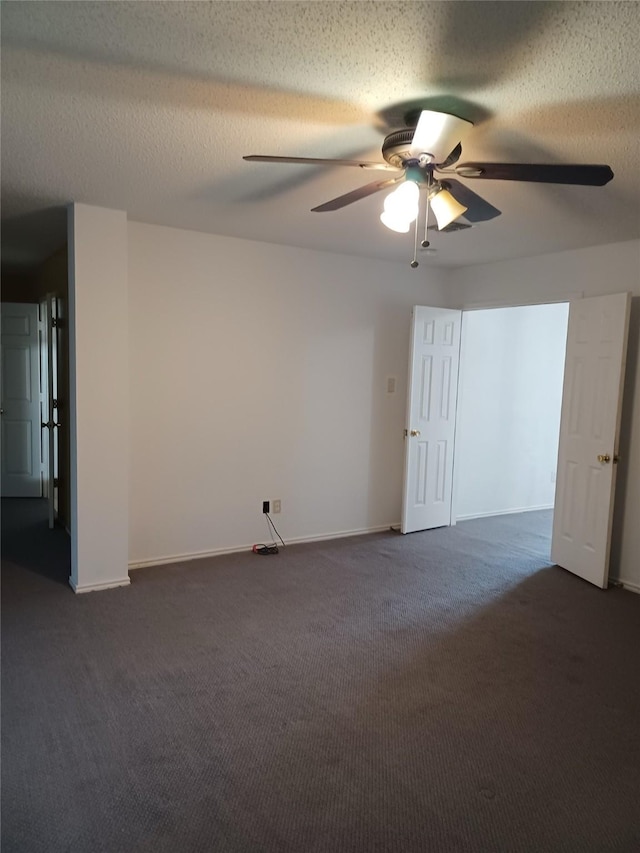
[(628, 405), (386, 447), (30, 239)]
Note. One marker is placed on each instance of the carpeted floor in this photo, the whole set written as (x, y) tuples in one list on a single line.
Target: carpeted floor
[(443, 691)]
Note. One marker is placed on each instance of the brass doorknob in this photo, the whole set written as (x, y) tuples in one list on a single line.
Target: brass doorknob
[(604, 457), (415, 432)]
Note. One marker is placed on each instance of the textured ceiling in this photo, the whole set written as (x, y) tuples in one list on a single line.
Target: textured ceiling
[(148, 107)]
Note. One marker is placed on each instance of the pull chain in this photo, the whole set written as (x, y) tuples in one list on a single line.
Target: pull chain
[(425, 242), (414, 262)]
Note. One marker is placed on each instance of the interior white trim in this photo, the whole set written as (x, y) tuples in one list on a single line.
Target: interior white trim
[(630, 585), (522, 302), (217, 552), (503, 512), (95, 587)]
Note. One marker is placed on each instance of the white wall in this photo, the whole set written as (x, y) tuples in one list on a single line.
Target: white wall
[(593, 271), (260, 372), (98, 396), (510, 395)]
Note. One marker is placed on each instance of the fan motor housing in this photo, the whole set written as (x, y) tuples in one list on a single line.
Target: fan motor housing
[(397, 146)]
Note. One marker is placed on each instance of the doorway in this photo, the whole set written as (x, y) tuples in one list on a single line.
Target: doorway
[(28, 542), (509, 404), (30, 444), (31, 372), (588, 441)]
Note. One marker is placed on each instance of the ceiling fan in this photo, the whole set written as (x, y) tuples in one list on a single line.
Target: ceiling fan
[(424, 156)]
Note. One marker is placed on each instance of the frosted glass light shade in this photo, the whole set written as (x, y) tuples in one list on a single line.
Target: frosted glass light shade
[(395, 223), (446, 208), (401, 207), (404, 200)]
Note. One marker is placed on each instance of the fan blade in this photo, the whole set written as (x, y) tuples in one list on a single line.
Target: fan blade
[(478, 210), (356, 195), (588, 176), (319, 161), (438, 134)]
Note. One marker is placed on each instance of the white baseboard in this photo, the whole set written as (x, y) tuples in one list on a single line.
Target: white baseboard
[(344, 534), (632, 586), (237, 549), (95, 587), (185, 558), (503, 512)]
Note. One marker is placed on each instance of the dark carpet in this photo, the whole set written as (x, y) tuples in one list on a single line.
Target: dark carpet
[(443, 691)]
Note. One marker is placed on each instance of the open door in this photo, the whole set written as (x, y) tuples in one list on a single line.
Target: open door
[(589, 434), (434, 357)]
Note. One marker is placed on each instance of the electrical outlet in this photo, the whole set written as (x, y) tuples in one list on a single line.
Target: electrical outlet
[(265, 506), (553, 476), (277, 506)]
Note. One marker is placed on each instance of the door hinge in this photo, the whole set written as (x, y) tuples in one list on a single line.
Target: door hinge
[(56, 482), (406, 433)]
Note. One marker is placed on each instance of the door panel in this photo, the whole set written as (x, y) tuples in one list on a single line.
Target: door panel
[(589, 433), (17, 440), (431, 409), (20, 401)]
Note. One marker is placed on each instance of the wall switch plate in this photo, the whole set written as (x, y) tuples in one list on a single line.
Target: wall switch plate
[(277, 506), (391, 385)]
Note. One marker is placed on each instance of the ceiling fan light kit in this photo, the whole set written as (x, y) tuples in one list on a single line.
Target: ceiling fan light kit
[(445, 207), (401, 207), (433, 146)]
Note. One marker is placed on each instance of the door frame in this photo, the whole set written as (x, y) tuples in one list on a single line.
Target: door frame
[(50, 366), (481, 306)]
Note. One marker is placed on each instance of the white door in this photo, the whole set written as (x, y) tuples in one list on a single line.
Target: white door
[(589, 432), (20, 402), (431, 414)]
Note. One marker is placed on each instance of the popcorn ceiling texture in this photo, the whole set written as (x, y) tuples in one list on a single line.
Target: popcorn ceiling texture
[(149, 107)]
